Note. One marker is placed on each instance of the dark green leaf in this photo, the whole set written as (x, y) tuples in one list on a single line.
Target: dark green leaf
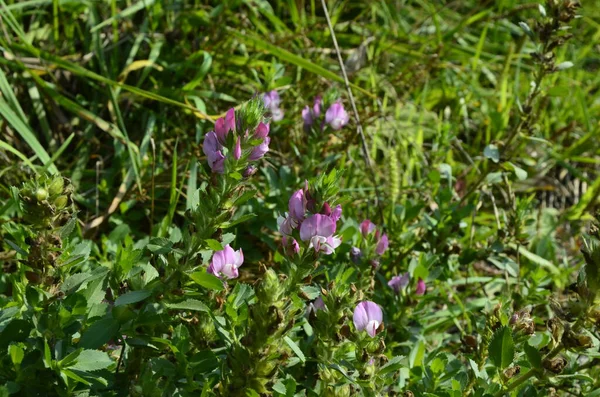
[(132, 297), (502, 348), (207, 280)]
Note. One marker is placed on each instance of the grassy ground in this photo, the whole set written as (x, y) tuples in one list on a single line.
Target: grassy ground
[(117, 95)]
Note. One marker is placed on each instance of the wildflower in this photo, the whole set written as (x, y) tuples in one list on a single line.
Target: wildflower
[(272, 100), (212, 149), (367, 316), (318, 304), (382, 245), (290, 245), (398, 283), (336, 214), (225, 263), (297, 205), (249, 171), (224, 125), (336, 116), (355, 255), (319, 229), (262, 132), (237, 152), (421, 287), (307, 116), (367, 227), (317, 107)]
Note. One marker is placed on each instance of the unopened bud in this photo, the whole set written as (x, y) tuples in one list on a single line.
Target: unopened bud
[(41, 194), (56, 187), (60, 202)]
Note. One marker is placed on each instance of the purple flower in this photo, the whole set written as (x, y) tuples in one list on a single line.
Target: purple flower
[(319, 229), (382, 245), (355, 255), (421, 287), (286, 224), (367, 227), (336, 116), (307, 117), (249, 171), (398, 283), (224, 125), (297, 205), (262, 131), (318, 304), (237, 151), (367, 316), (212, 149), (272, 100), (259, 151), (225, 263)]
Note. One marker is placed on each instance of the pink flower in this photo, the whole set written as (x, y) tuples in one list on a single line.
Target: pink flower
[(336, 214), (297, 205), (317, 107), (367, 227), (286, 224), (225, 263), (237, 151), (319, 229), (262, 131), (367, 316), (212, 149), (336, 116), (290, 245), (398, 283), (421, 287), (382, 245), (224, 125)]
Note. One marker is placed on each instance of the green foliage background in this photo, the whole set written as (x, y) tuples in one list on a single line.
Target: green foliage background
[(117, 95)]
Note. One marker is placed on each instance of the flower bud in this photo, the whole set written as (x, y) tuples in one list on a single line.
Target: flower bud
[(355, 255), (56, 187), (249, 171)]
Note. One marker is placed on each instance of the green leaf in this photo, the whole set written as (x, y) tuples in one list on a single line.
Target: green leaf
[(502, 348), (132, 297), (279, 387), (189, 304), (92, 360), (99, 333), (295, 348), (533, 355), (16, 354), (491, 152), (207, 280), (214, 245), (160, 245), (140, 5)]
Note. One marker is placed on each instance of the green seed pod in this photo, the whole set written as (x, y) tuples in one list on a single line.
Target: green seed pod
[(60, 202), (56, 186), (41, 194)]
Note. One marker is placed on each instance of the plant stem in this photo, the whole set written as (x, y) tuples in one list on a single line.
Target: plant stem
[(523, 378)]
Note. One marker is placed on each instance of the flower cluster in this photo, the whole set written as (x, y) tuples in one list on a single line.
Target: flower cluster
[(374, 244), (229, 140), (317, 228), (272, 100), (399, 284), (336, 116)]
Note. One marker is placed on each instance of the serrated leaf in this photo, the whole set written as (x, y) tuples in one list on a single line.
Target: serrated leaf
[(91, 360), (502, 348), (295, 348), (533, 355), (311, 291), (160, 245), (132, 297), (214, 245), (99, 333), (189, 304), (207, 280)]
